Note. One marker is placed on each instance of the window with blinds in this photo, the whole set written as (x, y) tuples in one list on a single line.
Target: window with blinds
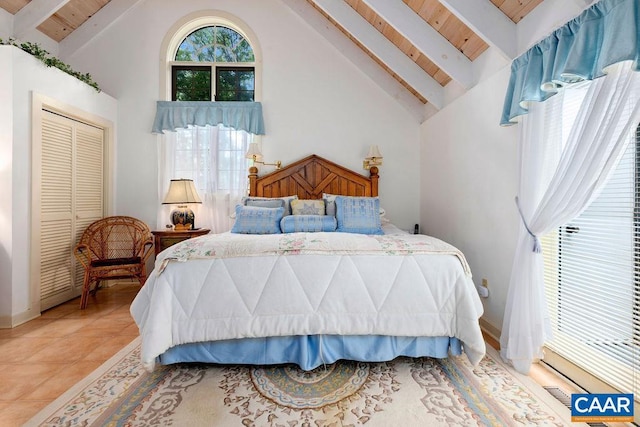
[(592, 272)]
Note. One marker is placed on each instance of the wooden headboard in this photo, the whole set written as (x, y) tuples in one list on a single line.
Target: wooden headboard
[(310, 177)]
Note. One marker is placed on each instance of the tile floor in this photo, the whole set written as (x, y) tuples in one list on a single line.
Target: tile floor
[(43, 358)]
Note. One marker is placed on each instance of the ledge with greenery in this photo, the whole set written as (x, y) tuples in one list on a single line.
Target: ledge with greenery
[(51, 61)]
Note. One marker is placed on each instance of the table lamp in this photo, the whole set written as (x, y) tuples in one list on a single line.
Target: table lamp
[(182, 192)]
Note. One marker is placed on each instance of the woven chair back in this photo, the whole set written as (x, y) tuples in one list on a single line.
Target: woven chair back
[(116, 237)]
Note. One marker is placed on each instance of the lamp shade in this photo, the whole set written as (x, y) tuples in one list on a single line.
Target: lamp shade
[(374, 152), (181, 191), (254, 152)]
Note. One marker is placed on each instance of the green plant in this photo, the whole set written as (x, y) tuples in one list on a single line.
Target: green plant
[(51, 61)]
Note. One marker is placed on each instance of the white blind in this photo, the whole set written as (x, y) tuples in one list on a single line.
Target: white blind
[(592, 272)]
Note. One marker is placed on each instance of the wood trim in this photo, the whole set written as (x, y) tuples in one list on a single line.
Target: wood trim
[(308, 178), (166, 238)]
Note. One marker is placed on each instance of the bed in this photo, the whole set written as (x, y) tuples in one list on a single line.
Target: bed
[(309, 296)]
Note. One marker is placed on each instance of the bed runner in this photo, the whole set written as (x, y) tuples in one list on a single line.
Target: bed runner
[(228, 245)]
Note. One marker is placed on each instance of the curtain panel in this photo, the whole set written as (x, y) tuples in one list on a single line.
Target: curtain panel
[(561, 174), (604, 34), (214, 158), (171, 115), (558, 180)]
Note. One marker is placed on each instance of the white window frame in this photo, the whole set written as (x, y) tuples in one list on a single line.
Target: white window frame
[(192, 22)]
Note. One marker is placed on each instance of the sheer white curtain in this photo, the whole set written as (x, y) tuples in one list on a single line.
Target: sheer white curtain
[(560, 174), (214, 158)]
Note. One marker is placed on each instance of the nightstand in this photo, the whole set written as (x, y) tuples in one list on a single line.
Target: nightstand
[(165, 239)]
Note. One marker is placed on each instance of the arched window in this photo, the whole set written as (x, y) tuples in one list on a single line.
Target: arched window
[(208, 56), (213, 63)]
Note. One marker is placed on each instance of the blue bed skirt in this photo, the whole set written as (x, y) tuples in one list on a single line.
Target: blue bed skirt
[(311, 351)]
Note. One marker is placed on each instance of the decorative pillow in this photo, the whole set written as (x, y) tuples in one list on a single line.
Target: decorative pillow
[(358, 215), (287, 201), (330, 203), (307, 207), (308, 223), (257, 220), (266, 203)]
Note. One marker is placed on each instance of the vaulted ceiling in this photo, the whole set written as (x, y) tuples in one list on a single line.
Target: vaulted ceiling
[(425, 32), (422, 44)]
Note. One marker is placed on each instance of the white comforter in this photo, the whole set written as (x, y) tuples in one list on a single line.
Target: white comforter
[(239, 286)]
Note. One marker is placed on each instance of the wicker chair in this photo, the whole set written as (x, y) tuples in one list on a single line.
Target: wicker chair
[(114, 247)]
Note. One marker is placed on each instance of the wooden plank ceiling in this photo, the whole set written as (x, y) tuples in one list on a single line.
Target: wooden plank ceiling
[(65, 20), (71, 14)]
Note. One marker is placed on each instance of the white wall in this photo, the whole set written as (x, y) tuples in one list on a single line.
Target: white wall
[(470, 173), (6, 168), (547, 17), (314, 100), (6, 24), (46, 43), (29, 75), (468, 185)]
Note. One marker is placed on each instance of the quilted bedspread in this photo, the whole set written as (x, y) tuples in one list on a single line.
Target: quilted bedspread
[(227, 286)]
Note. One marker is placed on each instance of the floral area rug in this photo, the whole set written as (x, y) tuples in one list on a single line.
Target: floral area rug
[(403, 392)]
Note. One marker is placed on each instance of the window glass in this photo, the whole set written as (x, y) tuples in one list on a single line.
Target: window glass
[(216, 45), (234, 84), (191, 83)]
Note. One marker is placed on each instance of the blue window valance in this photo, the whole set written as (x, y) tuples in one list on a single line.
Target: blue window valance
[(602, 35), (171, 115)]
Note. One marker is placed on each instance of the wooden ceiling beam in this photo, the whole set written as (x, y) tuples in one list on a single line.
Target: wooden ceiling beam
[(33, 14), (384, 50), (428, 41), (487, 21), (360, 59)]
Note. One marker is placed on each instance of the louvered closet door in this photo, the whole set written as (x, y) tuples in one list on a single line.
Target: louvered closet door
[(89, 185), (71, 198)]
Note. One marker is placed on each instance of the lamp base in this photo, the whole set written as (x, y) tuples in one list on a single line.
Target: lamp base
[(182, 218), (182, 227)]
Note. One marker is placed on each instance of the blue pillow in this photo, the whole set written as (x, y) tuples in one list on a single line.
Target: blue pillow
[(358, 215), (307, 223), (267, 202), (257, 220)]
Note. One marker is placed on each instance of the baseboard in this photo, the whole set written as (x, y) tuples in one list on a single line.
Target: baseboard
[(491, 331), (5, 322), (8, 322)]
